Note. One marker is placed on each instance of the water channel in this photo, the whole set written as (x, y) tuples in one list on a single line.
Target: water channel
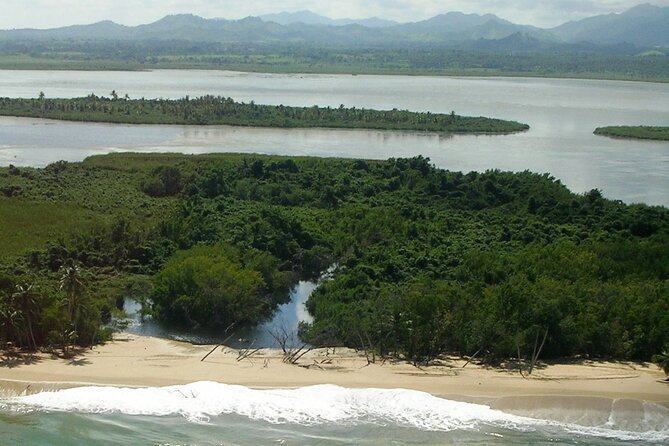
[(281, 327)]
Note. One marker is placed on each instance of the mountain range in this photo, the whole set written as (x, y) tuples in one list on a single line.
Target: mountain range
[(310, 18), (642, 26)]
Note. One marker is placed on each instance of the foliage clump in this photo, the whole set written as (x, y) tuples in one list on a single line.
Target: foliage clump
[(215, 286)]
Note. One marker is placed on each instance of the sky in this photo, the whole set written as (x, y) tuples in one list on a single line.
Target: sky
[(542, 13)]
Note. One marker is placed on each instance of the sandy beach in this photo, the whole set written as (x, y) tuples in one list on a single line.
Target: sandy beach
[(132, 360)]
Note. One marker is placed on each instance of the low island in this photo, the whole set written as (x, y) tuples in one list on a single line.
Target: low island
[(217, 110), (635, 132)]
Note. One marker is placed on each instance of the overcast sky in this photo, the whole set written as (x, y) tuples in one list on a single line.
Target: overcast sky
[(53, 13)]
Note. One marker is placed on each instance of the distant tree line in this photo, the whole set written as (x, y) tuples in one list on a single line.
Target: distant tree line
[(635, 132), (620, 61)]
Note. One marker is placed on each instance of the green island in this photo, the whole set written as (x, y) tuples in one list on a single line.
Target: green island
[(428, 261), (635, 132), (217, 110)]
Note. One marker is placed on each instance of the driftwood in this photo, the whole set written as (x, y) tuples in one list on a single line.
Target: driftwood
[(294, 356), (520, 360), (290, 354), (370, 356), (536, 352), (221, 344), (281, 336), (246, 353), (471, 358)]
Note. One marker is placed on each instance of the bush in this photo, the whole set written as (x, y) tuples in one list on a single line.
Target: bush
[(209, 286)]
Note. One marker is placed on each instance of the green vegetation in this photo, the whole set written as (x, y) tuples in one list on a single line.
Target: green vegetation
[(216, 286), (635, 132), (429, 261), (432, 59), (216, 110), (663, 360), (29, 225)]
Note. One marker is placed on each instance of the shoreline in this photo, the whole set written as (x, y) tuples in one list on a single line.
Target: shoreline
[(256, 127), (137, 361), (380, 72)]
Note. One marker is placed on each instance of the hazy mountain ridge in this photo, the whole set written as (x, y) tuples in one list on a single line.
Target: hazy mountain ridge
[(643, 26), (311, 18)]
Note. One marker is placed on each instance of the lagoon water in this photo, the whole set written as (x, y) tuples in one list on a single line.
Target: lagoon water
[(283, 325), (562, 115)]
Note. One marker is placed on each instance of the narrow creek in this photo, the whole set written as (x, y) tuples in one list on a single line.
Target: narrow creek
[(285, 321)]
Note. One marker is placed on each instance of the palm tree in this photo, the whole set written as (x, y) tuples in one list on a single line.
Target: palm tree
[(26, 298), (41, 100), (71, 283), (11, 319), (663, 360)]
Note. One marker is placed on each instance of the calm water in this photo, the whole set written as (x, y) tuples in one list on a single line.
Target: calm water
[(562, 115)]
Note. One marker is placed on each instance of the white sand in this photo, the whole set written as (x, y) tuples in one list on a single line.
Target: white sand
[(143, 361)]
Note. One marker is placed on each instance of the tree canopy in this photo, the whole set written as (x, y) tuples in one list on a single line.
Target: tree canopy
[(428, 261)]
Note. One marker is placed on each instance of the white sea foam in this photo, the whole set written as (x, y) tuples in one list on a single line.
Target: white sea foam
[(324, 404)]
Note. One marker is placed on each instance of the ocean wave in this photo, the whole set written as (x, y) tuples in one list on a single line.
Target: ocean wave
[(320, 404)]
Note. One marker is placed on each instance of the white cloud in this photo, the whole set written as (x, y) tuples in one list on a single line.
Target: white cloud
[(52, 13)]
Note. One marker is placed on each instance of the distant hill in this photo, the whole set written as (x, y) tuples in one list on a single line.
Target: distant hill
[(450, 23), (643, 25), (106, 29), (185, 27), (501, 29), (292, 27), (310, 18), (515, 42)]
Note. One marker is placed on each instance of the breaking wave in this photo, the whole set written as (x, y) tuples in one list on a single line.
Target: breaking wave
[(321, 404)]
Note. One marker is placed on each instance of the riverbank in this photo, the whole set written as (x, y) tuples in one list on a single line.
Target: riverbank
[(134, 361)]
